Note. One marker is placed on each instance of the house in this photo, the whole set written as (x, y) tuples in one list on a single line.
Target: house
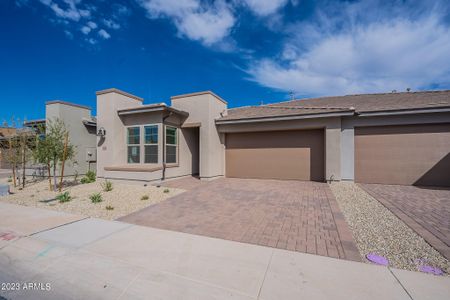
[(82, 134), (393, 138)]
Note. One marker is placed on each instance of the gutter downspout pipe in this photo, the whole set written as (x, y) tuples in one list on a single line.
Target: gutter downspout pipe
[(164, 147)]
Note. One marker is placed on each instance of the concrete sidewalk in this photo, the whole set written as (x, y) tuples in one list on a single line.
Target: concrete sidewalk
[(96, 259)]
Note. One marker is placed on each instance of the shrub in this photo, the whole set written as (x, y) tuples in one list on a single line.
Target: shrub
[(89, 177), (166, 191), (64, 197), (9, 179), (107, 186), (145, 197), (96, 198), (109, 207)]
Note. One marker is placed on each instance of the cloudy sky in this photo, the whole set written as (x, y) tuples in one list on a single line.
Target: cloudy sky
[(247, 51)]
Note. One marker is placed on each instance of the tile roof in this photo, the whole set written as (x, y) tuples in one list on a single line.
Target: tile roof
[(363, 103)]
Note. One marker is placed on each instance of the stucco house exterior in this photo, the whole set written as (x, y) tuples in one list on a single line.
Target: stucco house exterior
[(392, 138), (82, 134)]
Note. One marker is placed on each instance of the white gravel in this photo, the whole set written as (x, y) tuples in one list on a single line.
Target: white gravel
[(377, 230), (124, 198)]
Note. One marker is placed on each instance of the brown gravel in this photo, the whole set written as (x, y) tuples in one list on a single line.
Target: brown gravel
[(377, 230), (125, 198)]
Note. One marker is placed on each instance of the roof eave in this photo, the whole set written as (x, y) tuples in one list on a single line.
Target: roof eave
[(284, 118), (403, 112), (140, 110)]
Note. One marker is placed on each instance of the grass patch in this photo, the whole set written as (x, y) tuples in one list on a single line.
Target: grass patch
[(145, 197), (89, 177), (166, 191), (107, 186), (96, 198), (64, 197), (109, 207)]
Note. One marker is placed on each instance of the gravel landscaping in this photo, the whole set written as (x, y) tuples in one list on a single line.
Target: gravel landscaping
[(376, 230), (122, 200)]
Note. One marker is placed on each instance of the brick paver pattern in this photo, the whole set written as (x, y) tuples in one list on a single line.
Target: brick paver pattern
[(292, 215), (429, 207)]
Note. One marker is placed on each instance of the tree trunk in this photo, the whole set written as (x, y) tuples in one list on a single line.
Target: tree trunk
[(14, 174), (66, 140), (23, 164), (54, 175), (49, 176)]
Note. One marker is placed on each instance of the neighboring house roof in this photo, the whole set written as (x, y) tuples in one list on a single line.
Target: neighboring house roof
[(34, 123), (151, 108), (359, 104)]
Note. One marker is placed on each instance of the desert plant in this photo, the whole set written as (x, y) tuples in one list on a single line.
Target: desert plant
[(96, 198), (166, 191), (89, 177), (145, 197), (109, 207), (64, 197), (9, 179), (107, 186)]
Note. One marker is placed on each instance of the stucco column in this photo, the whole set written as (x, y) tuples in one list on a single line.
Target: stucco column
[(347, 152), (333, 150)]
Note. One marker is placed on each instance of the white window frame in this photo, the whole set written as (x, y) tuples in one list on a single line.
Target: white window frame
[(131, 145), (171, 145), (142, 143)]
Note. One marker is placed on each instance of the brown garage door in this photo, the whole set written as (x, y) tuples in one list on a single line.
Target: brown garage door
[(409, 155), (293, 154)]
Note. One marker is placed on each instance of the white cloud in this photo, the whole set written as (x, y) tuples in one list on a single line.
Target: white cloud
[(381, 55), (265, 7), (194, 19), (68, 10), (92, 25), (104, 34), (86, 29), (111, 24)]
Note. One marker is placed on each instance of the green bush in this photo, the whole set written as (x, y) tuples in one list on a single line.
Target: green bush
[(89, 177), (107, 186), (109, 207), (145, 197), (64, 197), (9, 179), (96, 198), (166, 191)]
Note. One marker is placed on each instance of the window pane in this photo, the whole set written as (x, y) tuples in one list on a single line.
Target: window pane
[(133, 135), (133, 154), (151, 134), (171, 154), (171, 135), (151, 154)]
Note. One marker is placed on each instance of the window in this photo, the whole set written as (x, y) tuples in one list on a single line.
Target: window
[(171, 145), (133, 145), (151, 144)]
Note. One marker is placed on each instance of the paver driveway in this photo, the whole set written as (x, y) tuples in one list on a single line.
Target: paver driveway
[(425, 210), (292, 215)]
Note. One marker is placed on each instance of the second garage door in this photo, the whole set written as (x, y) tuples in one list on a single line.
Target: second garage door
[(408, 155), (292, 154)]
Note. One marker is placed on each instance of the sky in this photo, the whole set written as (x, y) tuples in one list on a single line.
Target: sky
[(247, 51)]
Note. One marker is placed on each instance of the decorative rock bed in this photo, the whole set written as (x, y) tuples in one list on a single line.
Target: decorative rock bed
[(378, 231)]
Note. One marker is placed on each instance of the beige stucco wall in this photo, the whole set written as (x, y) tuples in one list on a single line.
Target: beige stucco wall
[(111, 150), (81, 136), (204, 108)]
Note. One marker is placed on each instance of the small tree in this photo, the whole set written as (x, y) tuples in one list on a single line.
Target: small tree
[(54, 148)]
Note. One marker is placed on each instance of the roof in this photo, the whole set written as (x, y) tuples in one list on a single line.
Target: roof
[(150, 108), (67, 103), (35, 122), (114, 90), (198, 94), (359, 104)]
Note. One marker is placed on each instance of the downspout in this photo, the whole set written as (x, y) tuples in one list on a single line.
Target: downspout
[(164, 147)]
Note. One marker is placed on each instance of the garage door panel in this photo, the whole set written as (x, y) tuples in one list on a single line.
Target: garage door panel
[(276, 155), (411, 155)]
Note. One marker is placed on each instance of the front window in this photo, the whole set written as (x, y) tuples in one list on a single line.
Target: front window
[(171, 145), (151, 144), (133, 145)]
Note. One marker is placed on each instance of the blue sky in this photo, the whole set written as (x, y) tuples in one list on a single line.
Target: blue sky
[(247, 51)]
